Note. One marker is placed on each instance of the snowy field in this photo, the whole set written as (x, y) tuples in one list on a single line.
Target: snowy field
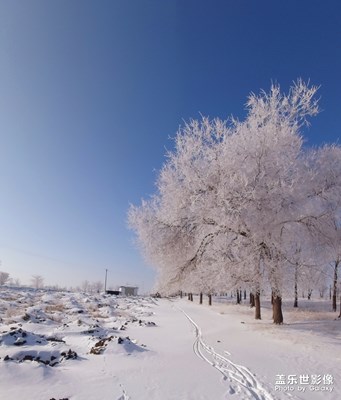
[(76, 346)]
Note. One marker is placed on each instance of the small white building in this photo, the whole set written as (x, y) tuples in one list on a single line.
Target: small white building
[(128, 290)]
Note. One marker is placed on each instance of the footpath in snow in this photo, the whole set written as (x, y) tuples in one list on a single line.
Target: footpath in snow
[(259, 360), (87, 347)]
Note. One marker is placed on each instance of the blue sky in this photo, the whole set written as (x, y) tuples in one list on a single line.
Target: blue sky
[(91, 92)]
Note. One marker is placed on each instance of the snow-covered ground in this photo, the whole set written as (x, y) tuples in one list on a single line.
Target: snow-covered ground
[(76, 346)]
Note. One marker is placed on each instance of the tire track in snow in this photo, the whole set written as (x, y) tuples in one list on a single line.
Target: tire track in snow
[(242, 381)]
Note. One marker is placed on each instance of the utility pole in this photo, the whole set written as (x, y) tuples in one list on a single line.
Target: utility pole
[(105, 281)]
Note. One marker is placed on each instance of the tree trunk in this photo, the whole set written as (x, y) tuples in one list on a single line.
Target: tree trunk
[(200, 301), (257, 304), (272, 298), (277, 310), (244, 294), (252, 300), (238, 297), (340, 308), (180, 294), (335, 284), (310, 292), (295, 287), (209, 299)]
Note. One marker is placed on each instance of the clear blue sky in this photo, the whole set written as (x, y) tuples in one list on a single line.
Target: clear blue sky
[(91, 91)]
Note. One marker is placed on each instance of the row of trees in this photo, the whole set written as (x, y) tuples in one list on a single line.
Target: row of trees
[(243, 204), (92, 287), (37, 281)]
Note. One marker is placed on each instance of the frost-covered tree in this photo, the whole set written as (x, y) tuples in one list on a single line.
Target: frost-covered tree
[(37, 281), (229, 195), (4, 276), (332, 227), (270, 144), (324, 205), (301, 259), (85, 285), (97, 286)]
